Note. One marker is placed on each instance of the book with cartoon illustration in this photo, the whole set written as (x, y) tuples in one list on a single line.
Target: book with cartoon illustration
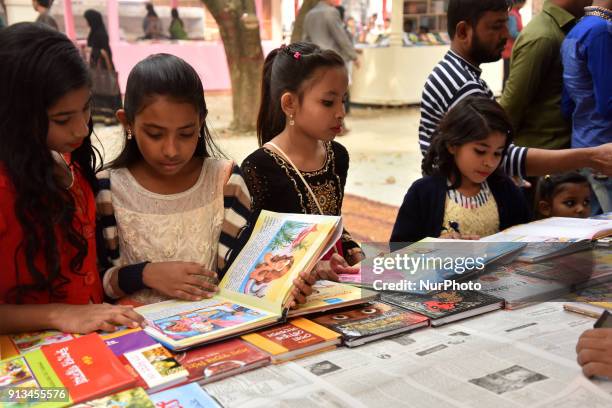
[(445, 306), (256, 289)]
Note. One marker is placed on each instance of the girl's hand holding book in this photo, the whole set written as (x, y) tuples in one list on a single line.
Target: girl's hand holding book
[(85, 319), (302, 288), (181, 280)]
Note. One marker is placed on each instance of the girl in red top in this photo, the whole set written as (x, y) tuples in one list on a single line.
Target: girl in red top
[(48, 271)]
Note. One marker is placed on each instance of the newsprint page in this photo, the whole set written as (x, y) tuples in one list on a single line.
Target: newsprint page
[(523, 358)]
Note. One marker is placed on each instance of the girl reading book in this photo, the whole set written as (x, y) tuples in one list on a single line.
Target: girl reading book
[(173, 214), (48, 274), (299, 168), (463, 194), (563, 195)]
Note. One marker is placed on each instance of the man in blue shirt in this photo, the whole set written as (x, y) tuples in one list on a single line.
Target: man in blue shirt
[(587, 58)]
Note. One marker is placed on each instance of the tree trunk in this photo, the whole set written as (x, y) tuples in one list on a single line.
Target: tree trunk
[(239, 28), (298, 26)]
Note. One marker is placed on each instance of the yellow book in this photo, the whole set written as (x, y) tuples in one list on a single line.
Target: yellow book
[(297, 338)]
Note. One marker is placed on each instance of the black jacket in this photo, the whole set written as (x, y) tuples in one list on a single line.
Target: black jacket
[(422, 211)]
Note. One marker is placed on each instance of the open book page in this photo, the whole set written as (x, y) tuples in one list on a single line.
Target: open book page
[(555, 229), (177, 322), (329, 295), (281, 246)]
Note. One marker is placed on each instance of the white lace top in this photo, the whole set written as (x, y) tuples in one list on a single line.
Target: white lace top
[(177, 227)]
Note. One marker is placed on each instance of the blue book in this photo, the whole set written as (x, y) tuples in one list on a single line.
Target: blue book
[(187, 396)]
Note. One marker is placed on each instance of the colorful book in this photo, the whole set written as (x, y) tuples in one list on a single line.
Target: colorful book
[(298, 338), (157, 367), (256, 290), (445, 306), (86, 367), (328, 295), (30, 341), (133, 398), (186, 396), (126, 341), (366, 323), (220, 360)]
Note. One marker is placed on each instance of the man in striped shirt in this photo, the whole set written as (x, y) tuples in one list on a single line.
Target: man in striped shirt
[(478, 29)]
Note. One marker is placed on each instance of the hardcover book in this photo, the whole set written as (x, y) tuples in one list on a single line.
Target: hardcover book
[(297, 338), (519, 290), (220, 360), (256, 290), (445, 306), (366, 323)]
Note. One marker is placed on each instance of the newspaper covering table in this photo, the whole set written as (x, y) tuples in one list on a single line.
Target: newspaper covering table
[(517, 358)]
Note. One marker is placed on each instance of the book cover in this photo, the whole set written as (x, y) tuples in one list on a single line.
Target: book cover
[(297, 335), (519, 290), (256, 290), (444, 304), (25, 342), (87, 367), (156, 366), (220, 360), (124, 342), (186, 396), (376, 319), (133, 398), (560, 229)]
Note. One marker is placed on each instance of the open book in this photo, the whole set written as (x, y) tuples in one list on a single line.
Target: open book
[(554, 236), (256, 290)]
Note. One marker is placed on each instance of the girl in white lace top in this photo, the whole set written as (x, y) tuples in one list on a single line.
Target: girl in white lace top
[(172, 216)]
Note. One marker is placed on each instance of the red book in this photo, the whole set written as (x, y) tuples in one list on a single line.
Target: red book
[(221, 360), (87, 367)]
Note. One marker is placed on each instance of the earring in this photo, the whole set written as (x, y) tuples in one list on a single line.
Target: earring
[(129, 134), (291, 121)]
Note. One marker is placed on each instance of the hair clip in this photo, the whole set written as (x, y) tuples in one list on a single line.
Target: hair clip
[(547, 178), (297, 55)]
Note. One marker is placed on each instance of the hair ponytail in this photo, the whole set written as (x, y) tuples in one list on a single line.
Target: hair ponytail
[(270, 120), (285, 70)]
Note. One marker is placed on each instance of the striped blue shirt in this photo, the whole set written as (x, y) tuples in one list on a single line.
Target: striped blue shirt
[(451, 80)]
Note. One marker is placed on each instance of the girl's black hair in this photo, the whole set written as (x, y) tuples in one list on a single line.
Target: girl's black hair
[(150, 10), (285, 70), (163, 75), (549, 186), (473, 118), (39, 66)]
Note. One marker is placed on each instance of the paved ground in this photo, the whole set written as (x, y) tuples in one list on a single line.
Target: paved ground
[(382, 145)]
